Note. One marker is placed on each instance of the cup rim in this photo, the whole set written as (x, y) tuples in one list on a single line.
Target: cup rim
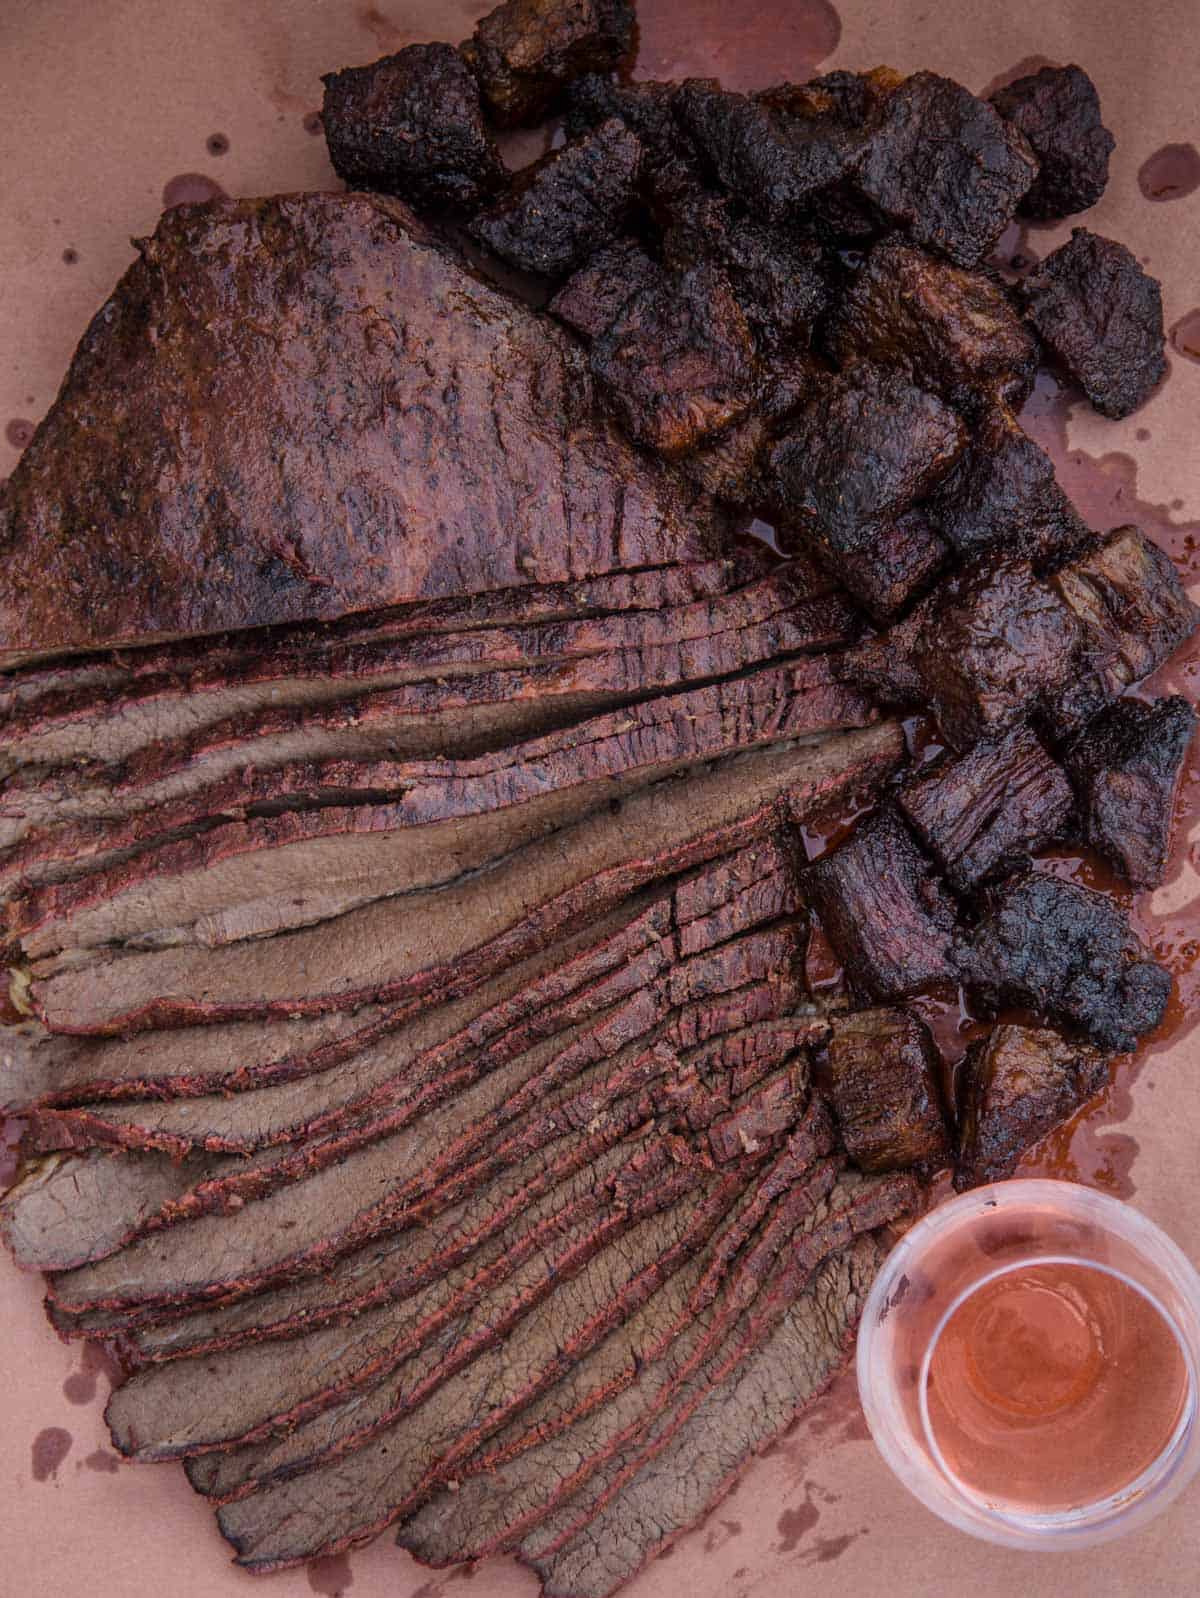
[(1135, 1502)]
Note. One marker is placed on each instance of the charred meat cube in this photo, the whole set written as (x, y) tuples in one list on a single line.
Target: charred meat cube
[(895, 561), (678, 360), (1133, 613), (884, 910), (525, 52), (993, 644), (1013, 1087), (986, 810), (565, 206), (1126, 766), (867, 447), (944, 165), (952, 332), (412, 124), (646, 108), (1003, 493), (851, 99), (1101, 317), (595, 296), (1070, 953), (1058, 111), (880, 1071), (731, 466), (775, 165), (782, 284)]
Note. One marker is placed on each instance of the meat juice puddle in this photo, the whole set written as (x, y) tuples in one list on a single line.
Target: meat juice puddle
[(1053, 1385)]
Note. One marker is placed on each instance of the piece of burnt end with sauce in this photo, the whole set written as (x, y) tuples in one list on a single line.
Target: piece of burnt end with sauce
[(594, 297), (1003, 492), (866, 448), (879, 1071), (525, 52), (1126, 766), (733, 466), (1133, 613), (1069, 953), (1014, 1086), (412, 124), (563, 208), (1058, 111), (646, 108), (782, 284), (950, 331), (884, 910), (678, 360), (852, 99), (985, 811), (984, 650), (946, 167), (777, 165), (1101, 317)]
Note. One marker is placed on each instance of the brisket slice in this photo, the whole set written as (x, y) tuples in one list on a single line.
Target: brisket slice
[(313, 1211), (380, 1067), (395, 1266), (243, 1396), (506, 1487), (448, 709), (789, 1349), (451, 939), (346, 1498), (43, 1070), (40, 704), (420, 1442), (387, 827), (251, 508)]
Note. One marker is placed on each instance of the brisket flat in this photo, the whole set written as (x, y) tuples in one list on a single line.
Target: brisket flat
[(450, 939), (468, 453), (320, 838)]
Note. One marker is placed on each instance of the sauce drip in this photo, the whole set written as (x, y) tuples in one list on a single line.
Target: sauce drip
[(1171, 173)]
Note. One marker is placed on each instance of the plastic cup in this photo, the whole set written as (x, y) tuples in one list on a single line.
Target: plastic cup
[(970, 1245)]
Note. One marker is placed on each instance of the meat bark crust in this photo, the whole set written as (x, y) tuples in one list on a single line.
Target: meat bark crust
[(244, 329)]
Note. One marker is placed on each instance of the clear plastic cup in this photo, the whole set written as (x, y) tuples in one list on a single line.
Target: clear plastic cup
[(920, 1379)]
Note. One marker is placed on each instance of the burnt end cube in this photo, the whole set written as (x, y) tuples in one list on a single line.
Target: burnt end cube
[(412, 124), (1127, 766), (1101, 318), (852, 99), (884, 910), (1069, 953), (678, 361), (731, 467), (984, 812), (782, 285), (991, 645), (880, 1070), (1013, 1087), (1133, 613), (1058, 111), (895, 562), (950, 331), (595, 296), (946, 167), (525, 52), (1003, 493), (867, 447), (565, 206), (647, 109), (777, 166)]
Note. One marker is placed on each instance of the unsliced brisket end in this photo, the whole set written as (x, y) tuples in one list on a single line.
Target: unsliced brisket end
[(1133, 613), (409, 825), (456, 937), (1069, 952), (1127, 766), (981, 813), (882, 1070), (294, 310), (1016, 1084), (884, 910)]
